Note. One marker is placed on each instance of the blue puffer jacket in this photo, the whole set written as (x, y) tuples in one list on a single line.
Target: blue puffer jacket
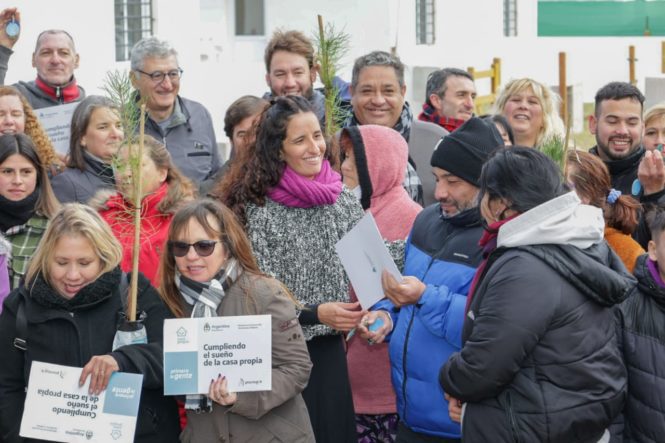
[(444, 254)]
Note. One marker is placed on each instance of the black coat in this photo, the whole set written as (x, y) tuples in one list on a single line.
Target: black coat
[(72, 338), (642, 324), (540, 360)]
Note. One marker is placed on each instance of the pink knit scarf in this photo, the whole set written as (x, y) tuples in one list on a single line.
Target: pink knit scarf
[(296, 191)]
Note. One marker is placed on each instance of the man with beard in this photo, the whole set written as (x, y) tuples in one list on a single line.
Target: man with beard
[(378, 98), (617, 124), (291, 69), (427, 306)]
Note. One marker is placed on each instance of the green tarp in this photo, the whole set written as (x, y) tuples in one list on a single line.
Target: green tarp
[(601, 18)]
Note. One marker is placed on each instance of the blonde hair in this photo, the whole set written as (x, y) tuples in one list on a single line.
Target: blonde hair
[(655, 111), (553, 125), (75, 219)]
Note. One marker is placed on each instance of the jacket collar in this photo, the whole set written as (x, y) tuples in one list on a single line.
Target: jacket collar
[(562, 220), (618, 167)]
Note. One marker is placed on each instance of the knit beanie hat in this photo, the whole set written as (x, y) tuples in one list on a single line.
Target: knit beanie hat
[(464, 151)]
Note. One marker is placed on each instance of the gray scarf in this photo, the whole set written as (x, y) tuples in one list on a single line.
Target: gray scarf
[(205, 299)]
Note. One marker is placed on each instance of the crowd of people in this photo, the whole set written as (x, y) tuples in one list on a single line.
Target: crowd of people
[(531, 303)]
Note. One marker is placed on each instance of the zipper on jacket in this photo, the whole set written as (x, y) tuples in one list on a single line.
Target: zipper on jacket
[(406, 345), (511, 417)]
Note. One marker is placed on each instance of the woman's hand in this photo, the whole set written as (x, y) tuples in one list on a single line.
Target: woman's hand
[(454, 408), (340, 316), (100, 368), (380, 334), (406, 292), (219, 392)]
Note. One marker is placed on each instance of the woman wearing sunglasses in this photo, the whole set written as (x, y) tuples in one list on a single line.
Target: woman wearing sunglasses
[(163, 187), (209, 270)]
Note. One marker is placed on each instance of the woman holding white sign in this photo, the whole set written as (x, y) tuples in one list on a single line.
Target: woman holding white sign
[(208, 271), (67, 312)]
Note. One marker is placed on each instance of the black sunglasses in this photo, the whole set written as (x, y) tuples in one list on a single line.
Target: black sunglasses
[(202, 247)]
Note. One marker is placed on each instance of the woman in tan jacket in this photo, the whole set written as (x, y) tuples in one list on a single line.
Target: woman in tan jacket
[(209, 270)]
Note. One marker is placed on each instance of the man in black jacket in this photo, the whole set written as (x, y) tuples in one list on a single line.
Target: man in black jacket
[(618, 126)]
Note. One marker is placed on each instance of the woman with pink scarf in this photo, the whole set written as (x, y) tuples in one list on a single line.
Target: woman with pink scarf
[(295, 209)]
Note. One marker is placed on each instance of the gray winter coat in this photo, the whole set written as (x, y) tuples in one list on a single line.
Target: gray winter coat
[(190, 139), (74, 185)]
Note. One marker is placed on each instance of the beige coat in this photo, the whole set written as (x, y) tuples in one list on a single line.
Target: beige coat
[(279, 415)]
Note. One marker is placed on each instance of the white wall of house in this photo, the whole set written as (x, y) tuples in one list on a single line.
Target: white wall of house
[(219, 67)]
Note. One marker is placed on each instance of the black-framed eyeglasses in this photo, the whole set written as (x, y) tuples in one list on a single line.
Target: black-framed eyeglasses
[(202, 247), (159, 76)]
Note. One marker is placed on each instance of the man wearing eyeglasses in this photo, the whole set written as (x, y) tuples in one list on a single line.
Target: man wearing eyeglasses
[(183, 125), (55, 59)]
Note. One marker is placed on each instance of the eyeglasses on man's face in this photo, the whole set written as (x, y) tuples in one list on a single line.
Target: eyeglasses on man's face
[(159, 76)]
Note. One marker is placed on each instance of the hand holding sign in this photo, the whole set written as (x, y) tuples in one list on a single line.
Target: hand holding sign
[(99, 368)]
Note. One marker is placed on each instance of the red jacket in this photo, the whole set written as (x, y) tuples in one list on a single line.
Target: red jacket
[(119, 214)]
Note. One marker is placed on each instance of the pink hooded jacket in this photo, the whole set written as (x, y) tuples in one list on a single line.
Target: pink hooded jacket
[(381, 155)]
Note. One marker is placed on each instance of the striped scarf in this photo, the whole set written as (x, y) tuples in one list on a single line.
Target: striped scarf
[(205, 299)]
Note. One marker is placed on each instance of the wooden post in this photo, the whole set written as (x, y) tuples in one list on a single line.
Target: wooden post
[(563, 86), (631, 65), (496, 76), (662, 68)]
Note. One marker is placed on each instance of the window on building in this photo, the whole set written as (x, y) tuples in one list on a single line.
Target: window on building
[(510, 18), (250, 17), (133, 21), (425, 22)]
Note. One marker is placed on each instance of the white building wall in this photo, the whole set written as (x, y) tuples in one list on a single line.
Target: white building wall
[(219, 67)]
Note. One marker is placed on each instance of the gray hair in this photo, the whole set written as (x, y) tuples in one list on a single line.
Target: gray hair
[(150, 47), (436, 81), (377, 58), (54, 32)]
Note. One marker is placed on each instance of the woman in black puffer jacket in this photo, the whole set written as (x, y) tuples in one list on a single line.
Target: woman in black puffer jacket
[(540, 360), (71, 302), (641, 319)]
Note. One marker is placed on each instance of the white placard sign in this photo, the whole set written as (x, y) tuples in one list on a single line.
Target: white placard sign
[(56, 121), (364, 256), (197, 350), (57, 409)]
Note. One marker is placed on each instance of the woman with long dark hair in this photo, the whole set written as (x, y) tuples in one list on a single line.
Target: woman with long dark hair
[(26, 200), (296, 209)]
